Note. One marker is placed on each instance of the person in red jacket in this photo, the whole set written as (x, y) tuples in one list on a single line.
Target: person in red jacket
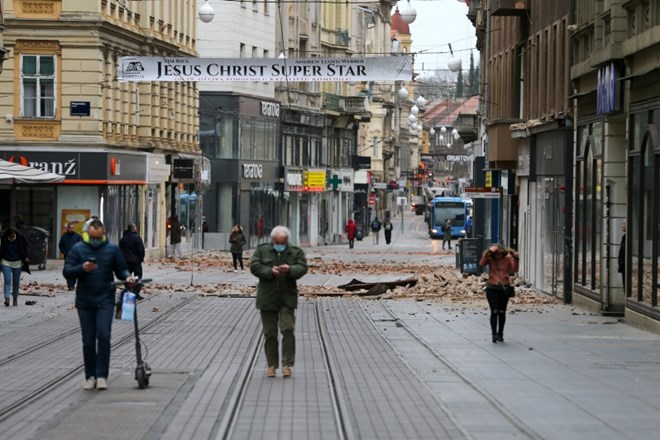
[(351, 230)]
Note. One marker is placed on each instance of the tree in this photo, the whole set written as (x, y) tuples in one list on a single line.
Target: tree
[(473, 77), (459, 85)]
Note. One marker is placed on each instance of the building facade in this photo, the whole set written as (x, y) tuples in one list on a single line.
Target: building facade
[(67, 113), (617, 167)]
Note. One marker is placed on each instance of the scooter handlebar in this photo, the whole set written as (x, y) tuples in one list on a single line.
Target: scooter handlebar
[(138, 281)]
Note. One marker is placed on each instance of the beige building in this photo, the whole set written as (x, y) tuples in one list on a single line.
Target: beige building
[(65, 111)]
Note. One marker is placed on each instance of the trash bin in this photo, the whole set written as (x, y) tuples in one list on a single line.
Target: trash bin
[(37, 240)]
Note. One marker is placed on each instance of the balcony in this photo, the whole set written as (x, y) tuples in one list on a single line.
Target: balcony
[(345, 104), (509, 7), (467, 126), (343, 38)]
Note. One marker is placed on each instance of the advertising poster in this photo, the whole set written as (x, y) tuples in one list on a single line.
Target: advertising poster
[(77, 216)]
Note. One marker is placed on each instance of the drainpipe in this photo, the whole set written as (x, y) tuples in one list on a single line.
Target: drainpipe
[(568, 167)]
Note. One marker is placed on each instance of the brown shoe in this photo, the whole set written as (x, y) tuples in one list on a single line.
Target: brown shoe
[(15, 301), (6, 302), (286, 372), (270, 372)]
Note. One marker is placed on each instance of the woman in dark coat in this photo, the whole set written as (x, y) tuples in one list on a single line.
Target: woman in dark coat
[(237, 240), (14, 254)]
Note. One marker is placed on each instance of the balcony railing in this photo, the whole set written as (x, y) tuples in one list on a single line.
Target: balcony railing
[(345, 104), (343, 38)]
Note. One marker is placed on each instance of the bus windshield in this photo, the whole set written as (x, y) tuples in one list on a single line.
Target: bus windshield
[(454, 211)]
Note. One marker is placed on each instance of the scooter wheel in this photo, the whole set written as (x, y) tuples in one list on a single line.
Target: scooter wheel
[(141, 377)]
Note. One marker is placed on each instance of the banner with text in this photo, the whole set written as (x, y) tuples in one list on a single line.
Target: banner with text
[(394, 68)]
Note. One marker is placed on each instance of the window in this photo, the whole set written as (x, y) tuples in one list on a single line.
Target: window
[(38, 86), (241, 51)]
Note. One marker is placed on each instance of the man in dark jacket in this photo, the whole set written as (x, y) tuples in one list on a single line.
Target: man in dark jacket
[(15, 258), (278, 265), (175, 237), (93, 261), (68, 239), (132, 247)]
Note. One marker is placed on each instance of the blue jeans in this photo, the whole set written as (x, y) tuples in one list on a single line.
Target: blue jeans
[(14, 276), (96, 325)]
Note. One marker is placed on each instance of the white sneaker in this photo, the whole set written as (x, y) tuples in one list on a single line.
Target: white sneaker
[(235, 271), (101, 384), (90, 383), (243, 271)]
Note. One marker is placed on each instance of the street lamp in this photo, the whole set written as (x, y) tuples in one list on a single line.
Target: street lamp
[(407, 12), (403, 93), (421, 102), (206, 12), (432, 131), (412, 119)]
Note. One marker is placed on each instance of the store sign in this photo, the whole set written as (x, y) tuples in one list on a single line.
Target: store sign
[(484, 192), (458, 158), (270, 109), (157, 170), (361, 162), (293, 180), (253, 171), (606, 94), (183, 168), (62, 164), (80, 108), (115, 166), (346, 177), (314, 180)]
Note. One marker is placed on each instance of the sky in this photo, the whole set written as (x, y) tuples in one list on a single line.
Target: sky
[(439, 23)]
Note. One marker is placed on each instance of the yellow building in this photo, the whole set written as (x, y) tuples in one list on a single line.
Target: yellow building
[(65, 111)]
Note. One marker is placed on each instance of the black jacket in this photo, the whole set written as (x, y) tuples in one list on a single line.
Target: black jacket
[(132, 247), (67, 241), (95, 288), (11, 250)]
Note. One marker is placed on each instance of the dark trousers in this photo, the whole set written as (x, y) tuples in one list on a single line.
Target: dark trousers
[(12, 278), (351, 243), (285, 318), (70, 281), (136, 269), (96, 325), (497, 300), (446, 238), (237, 258), (388, 236)]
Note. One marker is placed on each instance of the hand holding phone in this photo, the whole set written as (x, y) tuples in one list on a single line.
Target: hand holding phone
[(90, 264)]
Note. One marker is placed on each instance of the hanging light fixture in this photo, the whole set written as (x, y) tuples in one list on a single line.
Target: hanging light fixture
[(414, 126), (454, 62), (206, 12), (432, 131), (414, 110), (408, 13), (443, 129), (403, 93), (412, 118), (421, 102)]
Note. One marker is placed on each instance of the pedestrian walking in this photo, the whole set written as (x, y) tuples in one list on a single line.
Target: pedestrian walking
[(501, 263), (14, 257), (468, 227), (132, 248), (446, 233), (175, 237), (622, 254), (237, 241), (375, 229), (67, 241), (351, 230), (387, 228), (93, 262), (278, 265)]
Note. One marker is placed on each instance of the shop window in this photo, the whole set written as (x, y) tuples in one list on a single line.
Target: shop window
[(589, 209), (38, 86)]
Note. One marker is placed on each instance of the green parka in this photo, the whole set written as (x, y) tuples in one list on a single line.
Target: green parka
[(272, 292)]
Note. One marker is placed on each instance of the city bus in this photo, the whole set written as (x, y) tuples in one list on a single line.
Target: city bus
[(452, 208)]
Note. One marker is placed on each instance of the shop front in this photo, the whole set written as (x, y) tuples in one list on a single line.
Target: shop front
[(337, 204)]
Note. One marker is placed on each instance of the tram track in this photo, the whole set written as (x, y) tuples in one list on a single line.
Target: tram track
[(497, 406), (8, 410)]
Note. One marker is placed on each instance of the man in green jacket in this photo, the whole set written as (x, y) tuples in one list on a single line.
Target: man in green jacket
[(278, 265)]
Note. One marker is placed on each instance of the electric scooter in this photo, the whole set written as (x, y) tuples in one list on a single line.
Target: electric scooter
[(142, 370)]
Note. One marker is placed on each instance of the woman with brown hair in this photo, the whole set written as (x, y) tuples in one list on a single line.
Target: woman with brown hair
[(501, 263)]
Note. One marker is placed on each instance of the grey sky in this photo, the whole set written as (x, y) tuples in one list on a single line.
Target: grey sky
[(438, 23)]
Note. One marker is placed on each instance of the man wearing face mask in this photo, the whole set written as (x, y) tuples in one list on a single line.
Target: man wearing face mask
[(278, 265), (93, 262)]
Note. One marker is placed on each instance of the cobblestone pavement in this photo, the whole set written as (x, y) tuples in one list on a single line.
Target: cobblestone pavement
[(365, 369)]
